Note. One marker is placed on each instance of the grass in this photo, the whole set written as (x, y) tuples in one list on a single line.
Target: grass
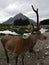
[(17, 29), (1, 34), (47, 30)]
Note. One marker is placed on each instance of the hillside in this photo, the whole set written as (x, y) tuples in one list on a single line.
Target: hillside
[(18, 16), (44, 22)]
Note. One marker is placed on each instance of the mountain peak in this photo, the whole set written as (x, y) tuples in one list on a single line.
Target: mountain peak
[(18, 16)]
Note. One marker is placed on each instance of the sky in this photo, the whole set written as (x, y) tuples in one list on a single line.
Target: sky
[(10, 8)]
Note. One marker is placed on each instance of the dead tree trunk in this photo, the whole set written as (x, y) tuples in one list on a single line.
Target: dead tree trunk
[(36, 11)]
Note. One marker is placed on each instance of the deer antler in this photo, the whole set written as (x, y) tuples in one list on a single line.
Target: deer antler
[(36, 11)]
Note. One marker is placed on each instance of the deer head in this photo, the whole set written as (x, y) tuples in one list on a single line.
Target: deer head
[(36, 33), (35, 36)]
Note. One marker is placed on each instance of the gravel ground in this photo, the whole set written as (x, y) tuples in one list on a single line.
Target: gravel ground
[(40, 58)]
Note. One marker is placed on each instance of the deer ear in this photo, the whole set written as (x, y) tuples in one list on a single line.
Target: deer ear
[(32, 28)]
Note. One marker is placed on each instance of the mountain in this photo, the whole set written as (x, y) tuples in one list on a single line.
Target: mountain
[(18, 16), (44, 22)]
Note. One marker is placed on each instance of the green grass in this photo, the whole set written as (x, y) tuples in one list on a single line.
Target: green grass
[(47, 30), (17, 29), (1, 34)]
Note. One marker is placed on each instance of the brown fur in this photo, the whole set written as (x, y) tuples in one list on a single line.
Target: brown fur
[(19, 45)]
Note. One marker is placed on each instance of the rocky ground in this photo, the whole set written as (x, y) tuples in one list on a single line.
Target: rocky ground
[(40, 58)]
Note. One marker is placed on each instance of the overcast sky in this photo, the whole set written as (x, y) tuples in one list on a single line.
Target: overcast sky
[(9, 8)]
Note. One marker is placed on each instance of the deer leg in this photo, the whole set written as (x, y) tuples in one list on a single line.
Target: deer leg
[(16, 60), (22, 56), (6, 54)]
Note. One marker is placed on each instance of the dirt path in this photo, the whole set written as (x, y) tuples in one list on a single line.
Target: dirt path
[(41, 57)]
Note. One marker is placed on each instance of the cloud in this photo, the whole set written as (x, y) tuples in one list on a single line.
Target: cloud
[(10, 8), (3, 16)]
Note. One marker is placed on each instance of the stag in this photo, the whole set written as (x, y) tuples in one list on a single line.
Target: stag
[(20, 45)]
